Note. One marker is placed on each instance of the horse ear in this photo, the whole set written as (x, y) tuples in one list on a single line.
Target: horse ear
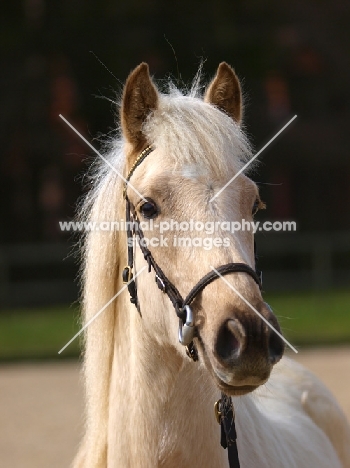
[(225, 92), (140, 97)]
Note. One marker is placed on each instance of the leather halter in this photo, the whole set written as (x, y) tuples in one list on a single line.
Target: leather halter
[(223, 408)]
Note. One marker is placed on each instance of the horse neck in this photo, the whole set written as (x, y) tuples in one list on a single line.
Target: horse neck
[(159, 401), (145, 403)]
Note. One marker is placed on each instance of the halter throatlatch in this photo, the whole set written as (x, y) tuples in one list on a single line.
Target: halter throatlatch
[(187, 331)]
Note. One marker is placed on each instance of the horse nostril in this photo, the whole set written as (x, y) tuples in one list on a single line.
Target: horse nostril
[(230, 340), (276, 347)]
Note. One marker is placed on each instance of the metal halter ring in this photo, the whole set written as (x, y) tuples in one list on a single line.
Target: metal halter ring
[(186, 331), (217, 411)]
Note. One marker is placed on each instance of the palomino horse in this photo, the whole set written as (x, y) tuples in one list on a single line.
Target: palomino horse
[(148, 404)]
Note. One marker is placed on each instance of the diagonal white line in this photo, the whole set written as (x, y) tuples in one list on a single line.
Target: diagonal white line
[(103, 158), (254, 310), (101, 310), (251, 160)]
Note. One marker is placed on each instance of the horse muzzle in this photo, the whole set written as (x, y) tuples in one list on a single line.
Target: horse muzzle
[(244, 349)]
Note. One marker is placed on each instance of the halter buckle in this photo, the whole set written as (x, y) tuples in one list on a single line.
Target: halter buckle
[(186, 330), (127, 274)]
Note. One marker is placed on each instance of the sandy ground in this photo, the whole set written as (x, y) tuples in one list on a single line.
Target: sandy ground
[(41, 406)]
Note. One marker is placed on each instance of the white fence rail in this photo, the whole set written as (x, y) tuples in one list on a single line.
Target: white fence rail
[(324, 260), (44, 274), (37, 274)]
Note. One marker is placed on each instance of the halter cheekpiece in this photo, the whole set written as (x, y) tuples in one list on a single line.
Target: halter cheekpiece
[(187, 331)]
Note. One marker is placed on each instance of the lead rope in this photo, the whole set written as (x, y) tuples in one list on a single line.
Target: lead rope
[(225, 416)]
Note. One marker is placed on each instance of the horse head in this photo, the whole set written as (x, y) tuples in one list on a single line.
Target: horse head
[(196, 147)]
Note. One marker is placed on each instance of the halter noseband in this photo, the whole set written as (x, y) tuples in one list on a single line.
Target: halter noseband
[(224, 408)]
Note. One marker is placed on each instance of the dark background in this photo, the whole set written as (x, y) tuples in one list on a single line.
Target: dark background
[(292, 57)]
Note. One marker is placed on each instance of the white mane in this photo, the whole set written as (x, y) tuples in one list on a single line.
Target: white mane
[(191, 131)]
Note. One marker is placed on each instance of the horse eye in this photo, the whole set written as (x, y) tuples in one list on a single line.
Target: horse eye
[(149, 209), (256, 206)]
